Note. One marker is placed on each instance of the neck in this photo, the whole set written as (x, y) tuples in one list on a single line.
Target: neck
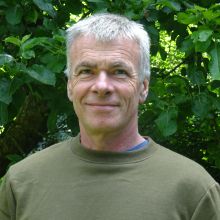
[(111, 141)]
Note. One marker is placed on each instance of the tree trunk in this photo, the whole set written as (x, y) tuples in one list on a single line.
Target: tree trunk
[(24, 132)]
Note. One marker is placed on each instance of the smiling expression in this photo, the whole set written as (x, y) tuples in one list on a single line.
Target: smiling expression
[(104, 85)]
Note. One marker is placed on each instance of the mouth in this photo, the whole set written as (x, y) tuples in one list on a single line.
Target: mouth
[(102, 106)]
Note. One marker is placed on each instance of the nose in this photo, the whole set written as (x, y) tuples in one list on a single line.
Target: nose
[(102, 85)]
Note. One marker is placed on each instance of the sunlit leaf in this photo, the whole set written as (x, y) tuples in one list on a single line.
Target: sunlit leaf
[(188, 18), (13, 40)]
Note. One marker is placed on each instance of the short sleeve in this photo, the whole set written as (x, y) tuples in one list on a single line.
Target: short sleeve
[(209, 205)]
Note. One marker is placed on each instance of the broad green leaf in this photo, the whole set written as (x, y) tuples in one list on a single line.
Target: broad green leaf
[(188, 18), (5, 91), (5, 58), (197, 77), (217, 20), (30, 43), (25, 38), (187, 46), (201, 35), (28, 54), (198, 8), (46, 5), (214, 65), (13, 40), (32, 16), (16, 83), (42, 74), (202, 46), (14, 14), (167, 122), (3, 113), (49, 24), (56, 63), (14, 157), (211, 15), (2, 3), (27, 46), (181, 98), (174, 5), (201, 105)]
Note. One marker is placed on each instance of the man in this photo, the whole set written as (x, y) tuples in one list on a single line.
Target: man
[(109, 171)]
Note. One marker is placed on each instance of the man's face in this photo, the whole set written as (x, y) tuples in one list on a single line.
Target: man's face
[(104, 85)]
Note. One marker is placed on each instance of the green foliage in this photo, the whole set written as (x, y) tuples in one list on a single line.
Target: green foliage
[(183, 107)]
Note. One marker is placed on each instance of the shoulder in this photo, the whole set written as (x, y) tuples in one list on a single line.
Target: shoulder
[(41, 160), (181, 169)]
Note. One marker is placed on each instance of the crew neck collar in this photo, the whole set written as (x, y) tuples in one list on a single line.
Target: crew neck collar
[(108, 157)]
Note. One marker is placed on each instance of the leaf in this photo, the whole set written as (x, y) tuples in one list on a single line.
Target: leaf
[(30, 43), (5, 58), (202, 46), (16, 83), (175, 6), (187, 46), (3, 113), (197, 77), (14, 14), (42, 74), (166, 122), (201, 35), (14, 157), (56, 63), (13, 40), (2, 3), (5, 96), (25, 38), (52, 121), (32, 16), (27, 46), (201, 105), (214, 65), (211, 15), (28, 54), (187, 18), (46, 5)]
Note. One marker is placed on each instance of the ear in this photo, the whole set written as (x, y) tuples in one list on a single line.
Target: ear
[(69, 90), (143, 91)]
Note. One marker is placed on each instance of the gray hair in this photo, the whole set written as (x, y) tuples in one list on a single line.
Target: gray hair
[(106, 27)]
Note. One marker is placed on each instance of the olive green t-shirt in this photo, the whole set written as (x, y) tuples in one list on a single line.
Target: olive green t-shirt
[(69, 182)]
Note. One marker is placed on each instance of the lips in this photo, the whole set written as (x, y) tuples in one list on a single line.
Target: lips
[(102, 106)]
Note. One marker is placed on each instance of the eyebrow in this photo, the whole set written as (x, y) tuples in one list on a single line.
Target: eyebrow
[(86, 64), (114, 64)]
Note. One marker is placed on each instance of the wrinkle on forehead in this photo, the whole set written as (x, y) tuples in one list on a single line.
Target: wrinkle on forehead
[(119, 49)]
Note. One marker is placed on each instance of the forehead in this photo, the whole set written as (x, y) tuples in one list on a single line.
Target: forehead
[(87, 47)]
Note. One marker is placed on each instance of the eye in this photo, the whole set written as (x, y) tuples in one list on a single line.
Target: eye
[(85, 73), (120, 73)]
